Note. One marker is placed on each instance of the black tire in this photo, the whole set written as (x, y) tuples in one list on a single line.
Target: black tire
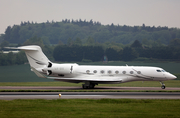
[(83, 86), (91, 86), (163, 87)]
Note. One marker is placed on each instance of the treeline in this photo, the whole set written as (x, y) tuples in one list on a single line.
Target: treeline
[(134, 52), (92, 54), (89, 53), (78, 53), (59, 32), (12, 59)]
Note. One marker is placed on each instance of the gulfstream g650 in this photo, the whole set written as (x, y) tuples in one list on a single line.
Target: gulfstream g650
[(91, 75)]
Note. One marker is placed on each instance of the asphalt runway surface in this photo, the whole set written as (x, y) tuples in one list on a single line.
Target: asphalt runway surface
[(80, 88), (88, 95)]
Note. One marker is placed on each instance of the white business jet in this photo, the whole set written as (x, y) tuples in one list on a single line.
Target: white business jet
[(91, 75)]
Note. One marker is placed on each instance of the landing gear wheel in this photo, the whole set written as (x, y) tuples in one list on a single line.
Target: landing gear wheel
[(90, 86), (83, 86), (163, 87)]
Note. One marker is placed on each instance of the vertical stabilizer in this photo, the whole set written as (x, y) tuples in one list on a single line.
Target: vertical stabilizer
[(35, 56)]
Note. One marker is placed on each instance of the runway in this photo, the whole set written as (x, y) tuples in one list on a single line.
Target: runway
[(80, 88), (88, 95)]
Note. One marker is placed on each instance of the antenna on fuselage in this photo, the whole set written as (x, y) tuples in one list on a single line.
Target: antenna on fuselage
[(126, 65)]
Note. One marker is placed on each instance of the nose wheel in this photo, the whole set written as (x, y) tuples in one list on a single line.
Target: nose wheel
[(163, 85)]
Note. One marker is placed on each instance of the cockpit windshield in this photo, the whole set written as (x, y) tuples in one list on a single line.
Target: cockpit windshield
[(163, 70), (160, 70)]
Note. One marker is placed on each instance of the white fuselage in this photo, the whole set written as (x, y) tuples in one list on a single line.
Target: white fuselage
[(108, 74)]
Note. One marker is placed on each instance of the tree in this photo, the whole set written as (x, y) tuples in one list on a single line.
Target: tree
[(129, 54), (60, 42), (3, 59), (175, 43), (136, 44), (15, 37), (34, 41), (143, 27), (10, 58), (7, 33), (4, 44), (90, 41), (1, 37), (78, 41), (78, 53), (112, 54), (70, 42)]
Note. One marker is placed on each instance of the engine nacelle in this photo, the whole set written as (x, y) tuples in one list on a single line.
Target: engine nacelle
[(61, 68)]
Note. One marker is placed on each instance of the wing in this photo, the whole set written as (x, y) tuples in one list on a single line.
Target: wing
[(93, 79)]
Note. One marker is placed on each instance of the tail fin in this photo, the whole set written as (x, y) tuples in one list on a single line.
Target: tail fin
[(35, 56)]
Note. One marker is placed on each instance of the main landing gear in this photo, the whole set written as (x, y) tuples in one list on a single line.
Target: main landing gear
[(88, 85), (163, 85)]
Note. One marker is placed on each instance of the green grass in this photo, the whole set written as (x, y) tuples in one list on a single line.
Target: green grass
[(75, 108), (19, 73)]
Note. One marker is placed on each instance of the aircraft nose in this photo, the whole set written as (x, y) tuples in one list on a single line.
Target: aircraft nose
[(170, 76)]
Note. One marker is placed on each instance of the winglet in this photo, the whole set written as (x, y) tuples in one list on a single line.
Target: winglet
[(38, 73)]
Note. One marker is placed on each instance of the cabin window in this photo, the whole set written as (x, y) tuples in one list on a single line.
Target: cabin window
[(109, 71), (116, 72), (87, 71), (124, 72), (158, 70), (139, 72), (95, 71), (131, 72), (102, 71)]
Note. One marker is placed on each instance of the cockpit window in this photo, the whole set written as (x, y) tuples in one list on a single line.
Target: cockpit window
[(163, 70), (158, 70)]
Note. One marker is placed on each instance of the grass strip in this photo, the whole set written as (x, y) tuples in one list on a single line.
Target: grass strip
[(75, 108)]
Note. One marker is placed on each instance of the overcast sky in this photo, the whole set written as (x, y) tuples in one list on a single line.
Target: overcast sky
[(122, 12)]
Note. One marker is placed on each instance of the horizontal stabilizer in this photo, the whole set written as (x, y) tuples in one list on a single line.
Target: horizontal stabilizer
[(22, 48)]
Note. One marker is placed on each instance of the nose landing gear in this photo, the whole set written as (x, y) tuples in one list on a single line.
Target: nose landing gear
[(163, 85)]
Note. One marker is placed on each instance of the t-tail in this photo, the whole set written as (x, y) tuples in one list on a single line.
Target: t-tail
[(36, 57)]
